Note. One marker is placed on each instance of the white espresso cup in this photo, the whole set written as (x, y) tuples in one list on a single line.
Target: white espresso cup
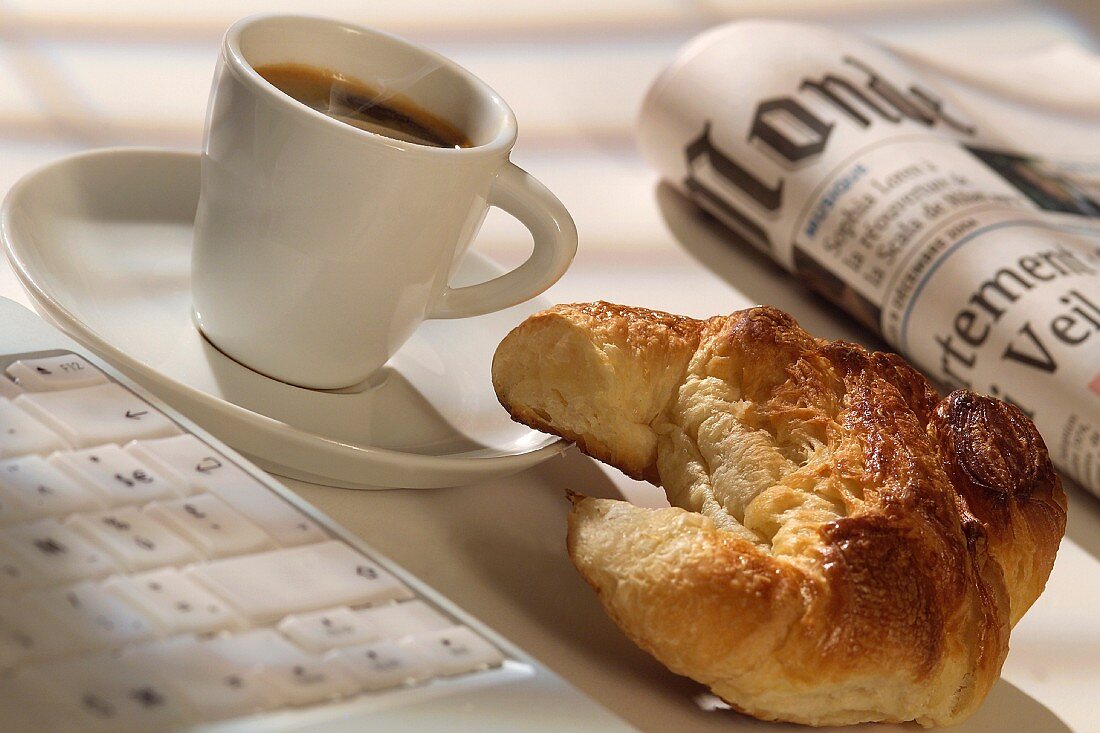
[(320, 247)]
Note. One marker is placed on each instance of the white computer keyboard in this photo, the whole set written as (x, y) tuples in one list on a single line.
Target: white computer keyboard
[(149, 582)]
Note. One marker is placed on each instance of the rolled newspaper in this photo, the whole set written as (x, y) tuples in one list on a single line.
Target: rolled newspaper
[(950, 206)]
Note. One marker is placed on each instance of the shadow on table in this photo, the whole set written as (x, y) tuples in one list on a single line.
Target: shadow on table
[(753, 273), (1008, 708), (552, 609), (1083, 520), (527, 556)]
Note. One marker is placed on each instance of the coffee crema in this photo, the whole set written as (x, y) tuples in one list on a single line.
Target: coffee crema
[(357, 104)]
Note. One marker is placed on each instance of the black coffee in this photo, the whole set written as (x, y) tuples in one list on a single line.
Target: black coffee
[(356, 104)]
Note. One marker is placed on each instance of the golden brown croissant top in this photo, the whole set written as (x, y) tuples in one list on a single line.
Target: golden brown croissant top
[(843, 545)]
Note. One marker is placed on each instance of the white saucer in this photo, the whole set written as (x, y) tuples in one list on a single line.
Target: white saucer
[(102, 243)]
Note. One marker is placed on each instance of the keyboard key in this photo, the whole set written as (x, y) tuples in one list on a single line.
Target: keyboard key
[(52, 373), (298, 677), (321, 631), (55, 553), (96, 616), (271, 585), (398, 620), (15, 574), (21, 433), (382, 665), (136, 540), (28, 632), (274, 514), (9, 389), (456, 650), (175, 603), (211, 686), (107, 694), (210, 525), (11, 509), (206, 469), (42, 489), (188, 457), (25, 708), (105, 413), (117, 476)]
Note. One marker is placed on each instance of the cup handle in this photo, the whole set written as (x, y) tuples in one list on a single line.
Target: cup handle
[(555, 235)]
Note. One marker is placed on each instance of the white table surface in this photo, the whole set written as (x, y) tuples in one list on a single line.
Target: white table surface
[(76, 75)]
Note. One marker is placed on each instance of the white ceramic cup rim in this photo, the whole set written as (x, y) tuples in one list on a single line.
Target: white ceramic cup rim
[(242, 69)]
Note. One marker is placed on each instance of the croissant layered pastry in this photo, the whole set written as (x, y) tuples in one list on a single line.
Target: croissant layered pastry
[(842, 546)]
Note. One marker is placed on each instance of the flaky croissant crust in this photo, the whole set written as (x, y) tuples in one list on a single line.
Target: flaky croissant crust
[(843, 545)]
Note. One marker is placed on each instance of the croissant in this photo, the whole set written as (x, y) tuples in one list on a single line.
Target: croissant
[(843, 545)]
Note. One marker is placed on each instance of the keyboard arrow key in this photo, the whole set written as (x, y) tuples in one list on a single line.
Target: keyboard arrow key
[(208, 464)]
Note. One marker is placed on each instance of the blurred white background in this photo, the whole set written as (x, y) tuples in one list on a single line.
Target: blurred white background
[(77, 74)]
